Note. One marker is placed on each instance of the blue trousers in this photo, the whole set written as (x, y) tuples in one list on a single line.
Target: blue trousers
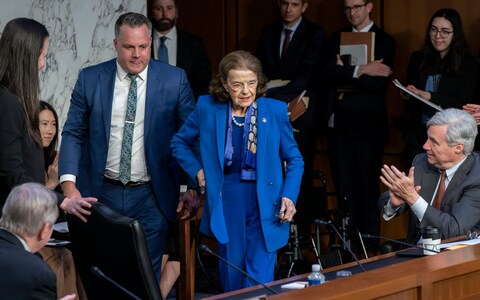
[(139, 203), (246, 246)]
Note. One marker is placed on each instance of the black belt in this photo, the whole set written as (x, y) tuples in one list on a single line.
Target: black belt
[(119, 183)]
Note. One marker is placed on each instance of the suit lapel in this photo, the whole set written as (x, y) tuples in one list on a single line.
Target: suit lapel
[(221, 130), (458, 178), (428, 183), (263, 120), (153, 94), (106, 84)]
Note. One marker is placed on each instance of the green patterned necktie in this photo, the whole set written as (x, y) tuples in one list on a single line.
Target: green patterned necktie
[(126, 154)]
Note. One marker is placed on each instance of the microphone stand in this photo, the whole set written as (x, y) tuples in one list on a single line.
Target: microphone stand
[(205, 248), (318, 221), (97, 272), (398, 242)]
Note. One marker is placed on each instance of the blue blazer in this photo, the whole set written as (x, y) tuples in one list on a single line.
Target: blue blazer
[(275, 146), (86, 133)]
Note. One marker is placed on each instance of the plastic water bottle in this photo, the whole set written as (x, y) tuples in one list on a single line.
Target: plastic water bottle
[(316, 277)]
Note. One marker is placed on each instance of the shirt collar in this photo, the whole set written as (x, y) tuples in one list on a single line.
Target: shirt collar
[(365, 29), (294, 27), (451, 171), (122, 74), (24, 243), (171, 35)]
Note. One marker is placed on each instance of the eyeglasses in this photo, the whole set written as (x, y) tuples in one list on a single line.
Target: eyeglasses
[(355, 8), (471, 235), (238, 86), (443, 33)]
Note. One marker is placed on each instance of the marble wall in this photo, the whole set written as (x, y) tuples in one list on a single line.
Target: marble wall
[(81, 34)]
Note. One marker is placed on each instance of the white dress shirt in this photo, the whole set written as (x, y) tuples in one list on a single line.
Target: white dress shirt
[(170, 43), (119, 108)]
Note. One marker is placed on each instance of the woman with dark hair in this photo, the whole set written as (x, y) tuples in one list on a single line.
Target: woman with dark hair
[(48, 120), (23, 51), (443, 72), (250, 166)]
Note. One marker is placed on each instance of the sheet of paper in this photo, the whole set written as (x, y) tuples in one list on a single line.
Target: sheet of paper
[(463, 242), (429, 103), (277, 83), (61, 227), (57, 243), (295, 285)]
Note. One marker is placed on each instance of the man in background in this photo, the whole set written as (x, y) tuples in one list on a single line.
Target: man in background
[(25, 227), (290, 50), (179, 48), (358, 122)]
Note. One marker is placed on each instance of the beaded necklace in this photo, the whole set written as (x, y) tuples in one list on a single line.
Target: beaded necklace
[(236, 122)]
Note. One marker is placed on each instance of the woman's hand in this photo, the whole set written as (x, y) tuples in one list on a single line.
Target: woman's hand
[(52, 174), (287, 210), (420, 93), (201, 178)]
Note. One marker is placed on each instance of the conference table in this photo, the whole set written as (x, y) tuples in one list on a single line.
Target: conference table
[(453, 274)]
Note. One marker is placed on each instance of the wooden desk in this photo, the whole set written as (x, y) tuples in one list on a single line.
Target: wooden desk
[(448, 275)]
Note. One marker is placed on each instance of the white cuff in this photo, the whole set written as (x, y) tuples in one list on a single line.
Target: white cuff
[(68, 177)]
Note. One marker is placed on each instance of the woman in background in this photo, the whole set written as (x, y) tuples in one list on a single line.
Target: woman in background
[(48, 120), (443, 72), (59, 259), (245, 140)]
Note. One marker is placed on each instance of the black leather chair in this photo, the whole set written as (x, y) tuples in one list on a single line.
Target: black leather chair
[(116, 245)]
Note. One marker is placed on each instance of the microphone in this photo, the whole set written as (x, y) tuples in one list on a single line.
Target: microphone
[(320, 222), (204, 248), (367, 236), (97, 272)]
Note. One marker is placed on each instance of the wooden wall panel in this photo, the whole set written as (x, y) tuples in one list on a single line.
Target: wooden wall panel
[(227, 25)]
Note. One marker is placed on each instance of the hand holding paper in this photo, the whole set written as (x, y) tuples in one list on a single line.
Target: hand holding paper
[(429, 103)]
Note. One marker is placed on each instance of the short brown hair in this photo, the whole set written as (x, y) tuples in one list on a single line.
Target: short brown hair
[(237, 60)]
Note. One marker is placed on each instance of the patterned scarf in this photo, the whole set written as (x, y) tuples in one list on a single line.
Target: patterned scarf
[(249, 153)]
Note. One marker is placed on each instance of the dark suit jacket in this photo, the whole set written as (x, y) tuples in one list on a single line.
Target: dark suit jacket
[(454, 90), (21, 158), (24, 275), (300, 65), (361, 112), (460, 209), (86, 133), (193, 59)]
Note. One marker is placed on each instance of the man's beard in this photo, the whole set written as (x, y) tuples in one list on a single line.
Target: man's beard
[(164, 24)]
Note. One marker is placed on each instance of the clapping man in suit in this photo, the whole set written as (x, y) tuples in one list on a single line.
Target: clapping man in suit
[(123, 114), (442, 188), (291, 49), (358, 121), (181, 48), (25, 227)]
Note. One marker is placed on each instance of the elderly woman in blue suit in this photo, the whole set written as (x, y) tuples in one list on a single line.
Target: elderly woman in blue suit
[(250, 165)]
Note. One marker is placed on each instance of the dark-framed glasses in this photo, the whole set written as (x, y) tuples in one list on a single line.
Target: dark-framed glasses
[(443, 32), (355, 8)]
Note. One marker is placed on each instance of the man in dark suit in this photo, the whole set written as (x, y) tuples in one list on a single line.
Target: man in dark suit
[(184, 49), (452, 203), (115, 145), (358, 123), (25, 227), (295, 58)]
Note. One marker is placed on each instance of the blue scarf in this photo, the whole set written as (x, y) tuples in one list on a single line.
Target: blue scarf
[(249, 151)]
